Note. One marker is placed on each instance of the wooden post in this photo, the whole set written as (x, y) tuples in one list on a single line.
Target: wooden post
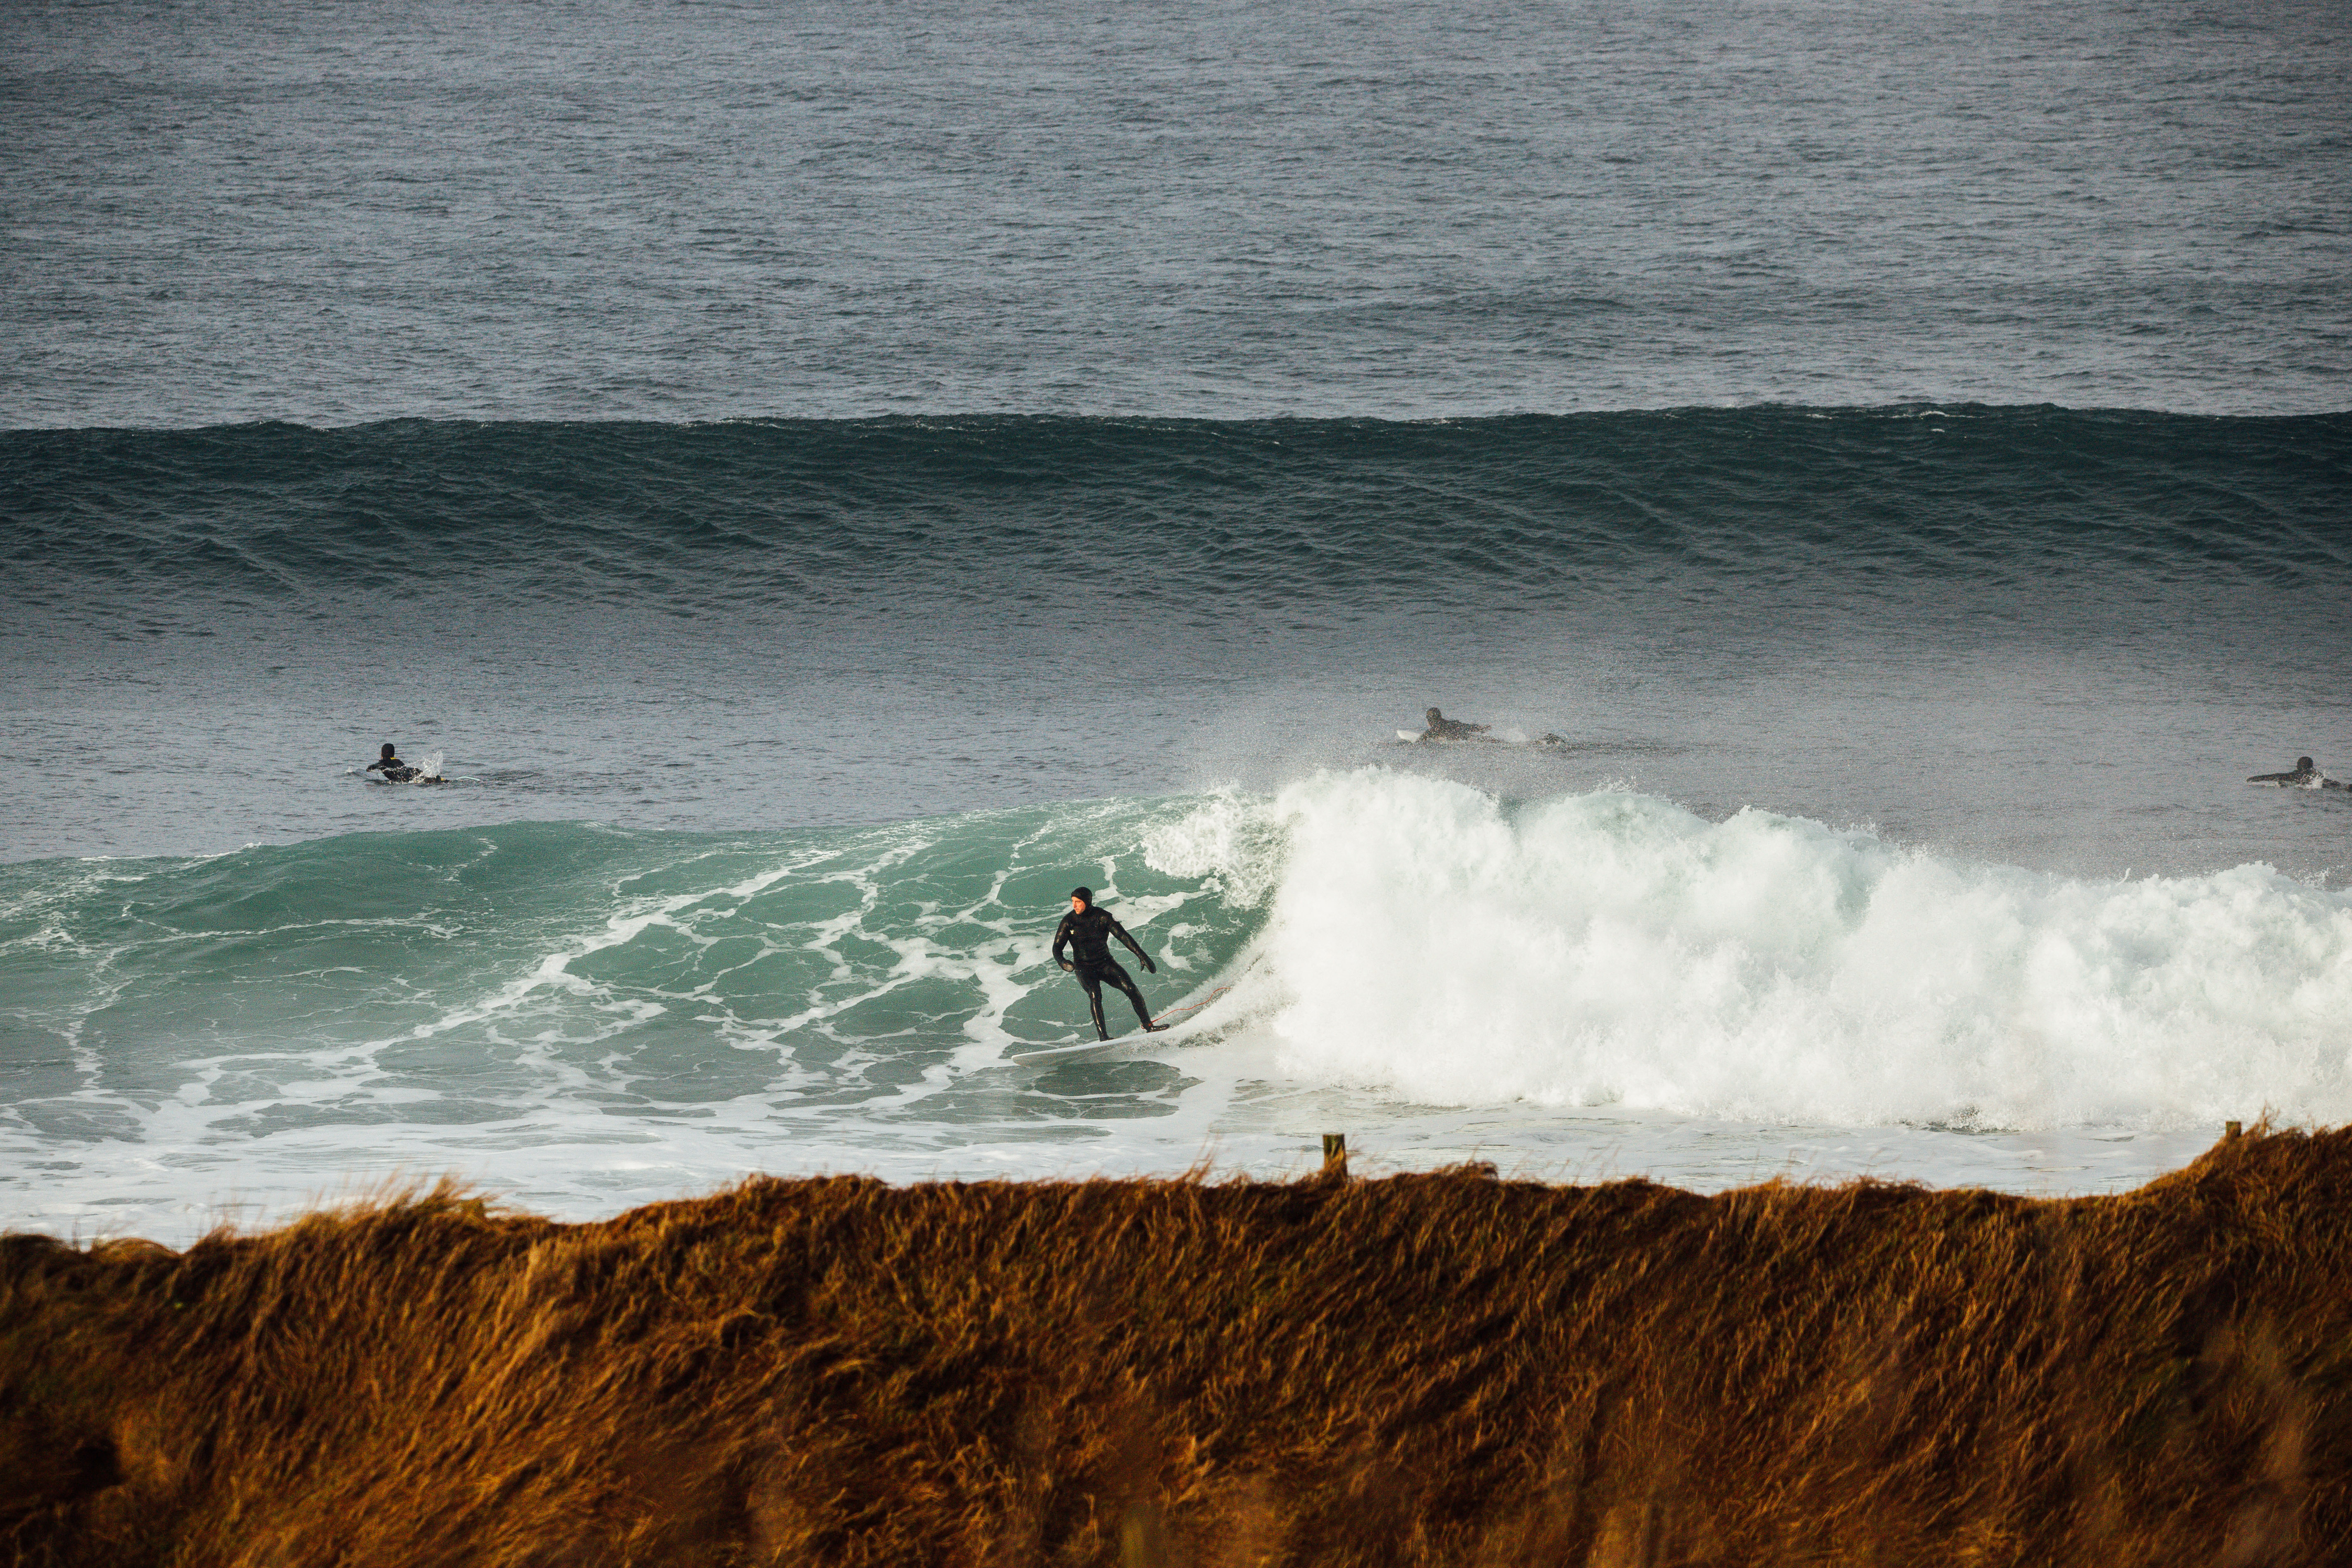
[(1335, 1153), (2229, 1130), (1139, 1541)]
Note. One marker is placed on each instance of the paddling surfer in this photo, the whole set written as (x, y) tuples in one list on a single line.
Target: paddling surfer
[(395, 771), (2304, 776), (1088, 931), (1441, 728)]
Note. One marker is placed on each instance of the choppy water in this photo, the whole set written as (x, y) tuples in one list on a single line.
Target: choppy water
[(252, 209), (1906, 696)]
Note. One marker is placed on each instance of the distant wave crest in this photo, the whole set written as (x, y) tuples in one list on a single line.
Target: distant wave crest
[(713, 518)]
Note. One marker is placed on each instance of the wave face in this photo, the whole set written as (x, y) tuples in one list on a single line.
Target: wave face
[(2011, 631), (591, 1009), (885, 516), (474, 977)]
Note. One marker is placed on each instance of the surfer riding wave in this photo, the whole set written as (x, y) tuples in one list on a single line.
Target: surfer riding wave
[(1088, 932)]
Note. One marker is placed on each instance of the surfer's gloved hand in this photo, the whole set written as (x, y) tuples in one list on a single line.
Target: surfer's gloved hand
[(1149, 967), (1066, 965)]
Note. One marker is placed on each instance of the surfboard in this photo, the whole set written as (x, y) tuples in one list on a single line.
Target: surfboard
[(1044, 1056), (1422, 738)]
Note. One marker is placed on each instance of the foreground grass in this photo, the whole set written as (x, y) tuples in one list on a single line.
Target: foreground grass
[(1441, 1369)]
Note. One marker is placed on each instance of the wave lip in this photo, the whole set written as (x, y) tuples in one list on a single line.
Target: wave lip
[(1614, 949)]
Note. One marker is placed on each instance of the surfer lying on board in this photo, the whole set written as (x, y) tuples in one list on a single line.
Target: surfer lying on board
[(1087, 930), (2304, 776), (395, 771), (1441, 728)]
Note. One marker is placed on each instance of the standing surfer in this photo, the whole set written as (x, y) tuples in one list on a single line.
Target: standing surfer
[(1087, 930)]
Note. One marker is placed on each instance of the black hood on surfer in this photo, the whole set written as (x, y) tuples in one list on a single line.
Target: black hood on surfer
[(1088, 932)]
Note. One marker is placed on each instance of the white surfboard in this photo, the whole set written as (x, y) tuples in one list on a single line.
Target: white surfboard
[(1042, 1055)]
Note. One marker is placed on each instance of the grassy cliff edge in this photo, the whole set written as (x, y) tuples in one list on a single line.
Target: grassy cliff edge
[(1435, 1369)]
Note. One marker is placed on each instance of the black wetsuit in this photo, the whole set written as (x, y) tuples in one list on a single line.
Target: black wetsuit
[(395, 771), (1088, 933)]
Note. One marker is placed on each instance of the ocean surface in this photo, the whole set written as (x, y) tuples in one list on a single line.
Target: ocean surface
[(821, 482), (230, 210)]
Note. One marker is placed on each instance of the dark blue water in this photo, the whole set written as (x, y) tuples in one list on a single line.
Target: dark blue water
[(250, 209)]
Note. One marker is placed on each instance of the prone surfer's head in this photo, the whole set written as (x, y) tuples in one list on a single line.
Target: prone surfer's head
[(2303, 764), (1081, 896), (387, 750), (1434, 716)]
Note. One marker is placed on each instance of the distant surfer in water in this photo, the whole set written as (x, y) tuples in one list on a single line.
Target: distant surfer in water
[(1441, 728), (1087, 930), (393, 770), (2304, 776)]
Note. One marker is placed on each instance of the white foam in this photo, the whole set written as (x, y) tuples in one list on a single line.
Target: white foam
[(1613, 949), (1231, 841)]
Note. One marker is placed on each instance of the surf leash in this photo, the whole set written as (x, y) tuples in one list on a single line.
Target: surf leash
[(1195, 1007)]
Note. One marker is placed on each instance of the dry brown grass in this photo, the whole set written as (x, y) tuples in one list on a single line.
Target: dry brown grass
[(1438, 1369)]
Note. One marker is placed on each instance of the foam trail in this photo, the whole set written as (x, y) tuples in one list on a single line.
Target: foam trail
[(1614, 949)]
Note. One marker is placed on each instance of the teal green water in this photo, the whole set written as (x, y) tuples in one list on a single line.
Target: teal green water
[(455, 977)]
